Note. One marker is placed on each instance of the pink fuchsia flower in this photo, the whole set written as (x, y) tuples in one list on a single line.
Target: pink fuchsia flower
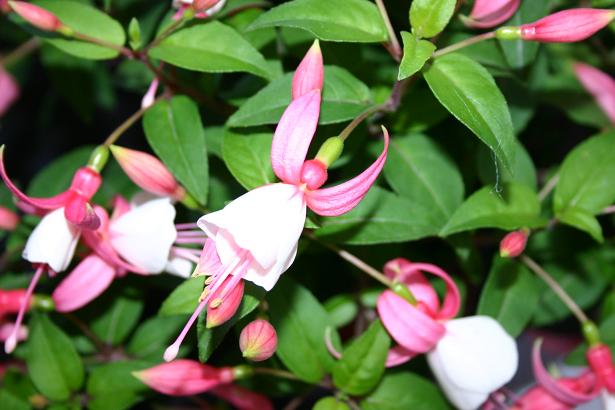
[(9, 91), (8, 219), (600, 85), (490, 13), (567, 26), (242, 398), (513, 244), (600, 360), (75, 202), (37, 16), (470, 357), (258, 341), (185, 377)]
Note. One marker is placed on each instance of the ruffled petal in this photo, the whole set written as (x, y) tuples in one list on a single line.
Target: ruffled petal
[(342, 198)]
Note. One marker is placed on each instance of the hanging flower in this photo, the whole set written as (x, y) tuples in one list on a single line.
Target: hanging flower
[(600, 85)]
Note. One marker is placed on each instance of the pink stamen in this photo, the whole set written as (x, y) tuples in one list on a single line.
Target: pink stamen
[(185, 253), (186, 226), (190, 234), (196, 241)]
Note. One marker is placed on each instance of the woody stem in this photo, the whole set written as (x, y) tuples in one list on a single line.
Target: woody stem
[(395, 50)]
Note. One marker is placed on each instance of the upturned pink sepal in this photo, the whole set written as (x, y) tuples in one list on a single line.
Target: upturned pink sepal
[(184, 377), (310, 73), (490, 13), (37, 16), (600, 361), (224, 303), (8, 219), (342, 198), (9, 91), (148, 172), (568, 25), (258, 341), (600, 85), (242, 398), (513, 244)]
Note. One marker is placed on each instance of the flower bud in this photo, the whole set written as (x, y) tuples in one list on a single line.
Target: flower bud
[(567, 26), (221, 310), (148, 172), (313, 174), (258, 340), (202, 5), (184, 377), (513, 243), (490, 13), (309, 75), (37, 16), (150, 95), (8, 219)]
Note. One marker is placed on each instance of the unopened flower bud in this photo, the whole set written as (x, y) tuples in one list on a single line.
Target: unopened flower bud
[(148, 172), (513, 243), (8, 219), (258, 340), (490, 13), (219, 313), (330, 151), (313, 174), (37, 16)]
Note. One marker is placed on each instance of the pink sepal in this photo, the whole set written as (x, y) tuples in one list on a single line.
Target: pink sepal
[(399, 355), (399, 269), (209, 261), (79, 212), (600, 85), (490, 13), (11, 300), (242, 398), (342, 198), (568, 25), (293, 136), (310, 73), (86, 282), (9, 91)]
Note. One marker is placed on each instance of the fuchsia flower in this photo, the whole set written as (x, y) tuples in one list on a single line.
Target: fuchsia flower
[(567, 25), (37, 16), (490, 13), (258, 341), (470, 357), (202, 8), (256, 236), (513, 244), (8, 219), (9, 91), (600, 85)]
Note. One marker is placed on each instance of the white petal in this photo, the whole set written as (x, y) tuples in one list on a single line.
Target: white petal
[(144, 235), (179, 267), (474, 358), (608, 400), (53, 241)]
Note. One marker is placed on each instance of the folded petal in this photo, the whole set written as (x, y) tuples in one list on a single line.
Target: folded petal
[(490, 13), (600, 85), (310, 73), (9, 91), (293, 136), (85, 283), (342, 198)]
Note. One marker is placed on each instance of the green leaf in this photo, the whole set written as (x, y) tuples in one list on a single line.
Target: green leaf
[(175, 132), (510, 295), (301, 322), (583, 220), (362, 364), (419, 170), (57, 176), (416, 54), (116, 315), (342, 309), (184, 298), (154, 335), (403, 391), (517, 206), (86, 20), (113, 387), (491, 171), (53, 363), (586, 176), (11, 402), (469, 92), (211, 48), (520, 53), (429, 17), (248, 158), (344, 97), (330, 403), (356, 21)]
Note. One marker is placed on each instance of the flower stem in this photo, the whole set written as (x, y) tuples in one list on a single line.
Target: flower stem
[(100, 345), (20, 52), (559, 291), (125, 125), (166, 33), (395, 48), (350, 127), (103, 43), (465, 43), (549, 186)]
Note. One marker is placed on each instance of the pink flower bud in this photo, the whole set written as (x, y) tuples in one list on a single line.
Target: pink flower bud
[(567, 26), (313, 174), (150, 95), (9, 90), (148, 172), (223, 307), (490, 13), (600, 85), (11, 300), (600, 361), (202, 5), (258, 340), (513, 243), (8, 219), (37, 16), (309, 75), (184, 377)]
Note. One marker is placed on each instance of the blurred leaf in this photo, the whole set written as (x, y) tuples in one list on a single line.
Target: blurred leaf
[(212, 48), (362, 364), (429, 17), (113, 387), (53, 363), (184, 298), (330, 403), (583, 220), (416, 54), (520, 53), (175, 132), (57, 176), (248, 158), (469, 92), (12, 402), (154, 335), (342, 309), (403, 391), (116, 315)]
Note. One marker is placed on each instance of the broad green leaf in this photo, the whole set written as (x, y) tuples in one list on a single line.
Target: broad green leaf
[(510, 295), (429, 17), (11, 402), (342, 309), (53, 363), (520, 53), (116, 315), (330, 403), (301, 322), (586, 176), (175, 132), (469, 92), (419, 170), (362, 363), (416, 54), (86, 20), (583, 220), (344, 97), (403, 391), (356, 21), (211, 48), (491, 171), (381, 217), (248, 158), (154, 335), (184, 298), (113, 387)]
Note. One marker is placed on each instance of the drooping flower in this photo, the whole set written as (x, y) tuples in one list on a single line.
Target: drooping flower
[(9, 91), (513, 244), (37, 16), (256, 235), (258, 340), (600, 85), (490, 13), (8, 219), (470, 357)]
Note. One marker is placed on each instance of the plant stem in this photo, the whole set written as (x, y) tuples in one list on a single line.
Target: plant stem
[(100, 345), (120, 49), (549, 186), (465, 43), (559, 291), (20, 52), (166, 33), (350, 127), (395, 49), (125, 125)]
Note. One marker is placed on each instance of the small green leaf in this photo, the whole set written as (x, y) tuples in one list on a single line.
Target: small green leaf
[(583, 220), (211, 48), (517, 206), (342, 309), (248, 158), (175, 132), (416, 54), (11, 402), (184, 298), (470, 93), (356, 21), (116, 315), (154, 335), (53, 363), (330, 403), (113, 387), (403, 391), (362, 364), (429, 17), (56, 177)]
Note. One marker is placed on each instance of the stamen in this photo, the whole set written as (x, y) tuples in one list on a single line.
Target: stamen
[(195, 241), (185, 253), (187, 234), (186, 226)]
